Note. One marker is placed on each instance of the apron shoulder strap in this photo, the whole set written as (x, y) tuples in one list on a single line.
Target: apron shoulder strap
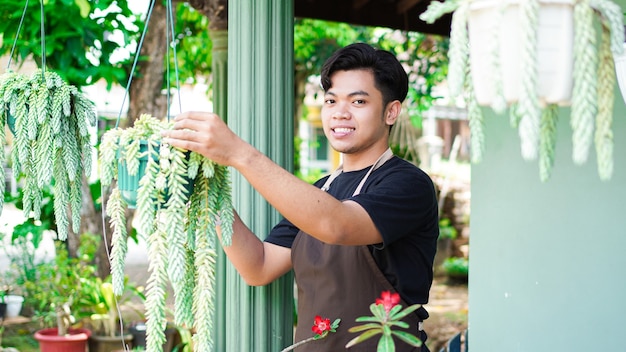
[(388, 154)]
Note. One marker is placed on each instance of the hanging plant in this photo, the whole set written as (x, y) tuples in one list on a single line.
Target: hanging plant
[(508, 68), (49, 120), (178, 224)]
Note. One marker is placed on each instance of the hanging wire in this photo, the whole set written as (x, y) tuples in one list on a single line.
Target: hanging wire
[(43, 44), (17, 34), (168, 42), (171, 29), (132, 70)]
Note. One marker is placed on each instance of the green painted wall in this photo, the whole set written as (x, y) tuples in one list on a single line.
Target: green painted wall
[(547, 259)]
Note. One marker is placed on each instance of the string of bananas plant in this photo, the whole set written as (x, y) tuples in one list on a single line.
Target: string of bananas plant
[(178, 224), (593, 78), (49, 120)]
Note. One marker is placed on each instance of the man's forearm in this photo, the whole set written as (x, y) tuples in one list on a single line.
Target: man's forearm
[(251, 257)]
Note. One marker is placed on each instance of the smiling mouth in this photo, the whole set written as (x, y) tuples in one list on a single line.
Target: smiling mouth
[(342, 130)]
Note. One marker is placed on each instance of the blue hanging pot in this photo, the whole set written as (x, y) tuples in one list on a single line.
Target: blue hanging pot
[(128, 184)]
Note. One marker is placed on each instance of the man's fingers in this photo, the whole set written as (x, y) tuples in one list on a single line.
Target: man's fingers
[(186, 144), (195, 116), (182, 135)]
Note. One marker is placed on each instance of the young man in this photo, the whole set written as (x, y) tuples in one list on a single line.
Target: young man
[(370, 227)]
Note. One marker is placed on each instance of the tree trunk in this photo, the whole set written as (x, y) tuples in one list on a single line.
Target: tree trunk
[(91, 223), (145, 94), (215, 10)]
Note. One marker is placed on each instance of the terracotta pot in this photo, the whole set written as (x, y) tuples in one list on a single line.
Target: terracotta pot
[(50, 341)]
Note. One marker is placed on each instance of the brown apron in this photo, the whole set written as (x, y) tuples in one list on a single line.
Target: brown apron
[(340, 282)]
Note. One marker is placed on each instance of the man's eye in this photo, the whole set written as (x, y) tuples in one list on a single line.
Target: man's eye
[(329, 101), (359, 102)]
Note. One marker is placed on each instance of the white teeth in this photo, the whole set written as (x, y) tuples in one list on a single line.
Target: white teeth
[(344, 130)]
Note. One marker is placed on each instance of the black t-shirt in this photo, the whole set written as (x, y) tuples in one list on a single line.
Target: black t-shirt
[(401, 201)]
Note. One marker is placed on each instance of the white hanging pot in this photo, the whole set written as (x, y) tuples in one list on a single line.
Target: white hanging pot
[(494, 27)]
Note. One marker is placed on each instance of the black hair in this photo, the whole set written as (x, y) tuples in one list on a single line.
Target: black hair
[(389, 75)]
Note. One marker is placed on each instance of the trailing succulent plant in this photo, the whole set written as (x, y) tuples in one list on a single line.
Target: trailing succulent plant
[(51, 146), (178, 224), (593, 80)]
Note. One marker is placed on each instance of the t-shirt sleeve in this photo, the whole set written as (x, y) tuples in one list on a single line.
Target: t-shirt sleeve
[(401, 203), (283, 234)]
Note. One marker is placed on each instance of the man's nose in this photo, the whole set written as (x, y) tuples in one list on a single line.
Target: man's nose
[(341, 112)]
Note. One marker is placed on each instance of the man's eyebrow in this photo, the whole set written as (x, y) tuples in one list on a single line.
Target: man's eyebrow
[(356, 93), (359, 92)]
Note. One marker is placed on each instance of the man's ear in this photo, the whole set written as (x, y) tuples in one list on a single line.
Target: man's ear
[(392, 112)]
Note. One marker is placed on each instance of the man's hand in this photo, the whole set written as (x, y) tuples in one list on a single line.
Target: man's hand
[(206, 134)]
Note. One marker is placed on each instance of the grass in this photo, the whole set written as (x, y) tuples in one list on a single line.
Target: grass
[(20, 337)]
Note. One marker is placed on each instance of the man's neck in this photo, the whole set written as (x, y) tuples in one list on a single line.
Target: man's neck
[(359, 161)]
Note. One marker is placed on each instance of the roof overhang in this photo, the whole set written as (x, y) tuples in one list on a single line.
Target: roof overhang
[(396, 14)]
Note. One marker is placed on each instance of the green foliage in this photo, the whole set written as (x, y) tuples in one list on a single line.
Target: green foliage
[(179, 226), (456, 267), (82, 49), (64, 280), (103, 305), (446, 230), (193, 45), (26, 238), (316, 40), (49, 120), (425, 58)]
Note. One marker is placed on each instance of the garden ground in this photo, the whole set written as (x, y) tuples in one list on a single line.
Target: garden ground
[(448, 306)]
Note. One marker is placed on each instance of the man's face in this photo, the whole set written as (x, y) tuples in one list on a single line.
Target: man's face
[(353, 112)]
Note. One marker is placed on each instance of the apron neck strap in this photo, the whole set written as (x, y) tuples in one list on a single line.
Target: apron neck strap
[(388, 154)]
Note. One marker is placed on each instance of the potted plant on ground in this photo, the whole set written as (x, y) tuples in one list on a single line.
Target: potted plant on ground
[(522, 55), (59, 292), (51, 145), (178, 224), (106, 325)]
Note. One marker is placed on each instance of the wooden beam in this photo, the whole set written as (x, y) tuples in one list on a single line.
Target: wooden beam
[(358, 4), (404, 5)]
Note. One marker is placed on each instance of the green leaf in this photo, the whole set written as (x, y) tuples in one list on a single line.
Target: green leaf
[(359, 328), (84, 7), (395, 309), (408, 338), (366, 319), (385, 344), (400, 324), (379, 311), (364, 336), (404, 313)]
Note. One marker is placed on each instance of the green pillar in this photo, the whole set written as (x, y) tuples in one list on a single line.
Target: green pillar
[(260, 110), (219, 66)]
